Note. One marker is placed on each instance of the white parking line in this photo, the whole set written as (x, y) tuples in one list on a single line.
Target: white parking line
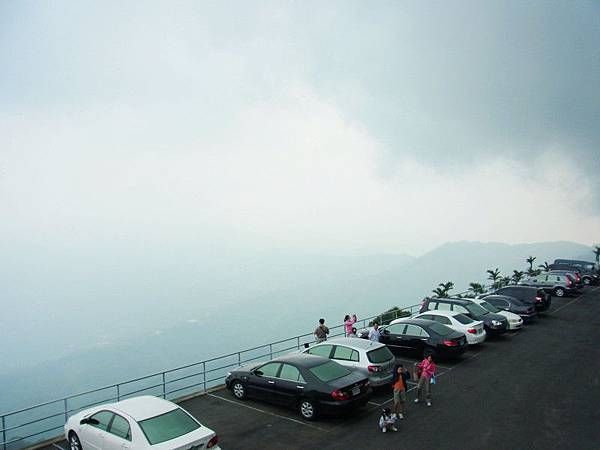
[(58, 446), (572, 301), (269, 413)]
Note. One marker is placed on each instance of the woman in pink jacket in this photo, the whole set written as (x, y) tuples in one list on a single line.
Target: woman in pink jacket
[(427, 368), (348, 322)]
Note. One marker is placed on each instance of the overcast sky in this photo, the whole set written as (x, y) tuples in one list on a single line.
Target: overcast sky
[(367, 126)]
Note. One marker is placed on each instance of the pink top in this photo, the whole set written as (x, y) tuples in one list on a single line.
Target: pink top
[(428, 368), (348, 323)]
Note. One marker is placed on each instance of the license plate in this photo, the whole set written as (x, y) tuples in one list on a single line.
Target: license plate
[(355, 390)]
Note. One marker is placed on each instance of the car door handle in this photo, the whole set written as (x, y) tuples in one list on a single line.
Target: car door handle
[(271, 382), (300, 387)]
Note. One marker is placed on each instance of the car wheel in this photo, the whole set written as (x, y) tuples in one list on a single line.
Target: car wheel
[(308, 409), (429, 352), (74, 443), (559, 292), (587, 281), (238, 389)]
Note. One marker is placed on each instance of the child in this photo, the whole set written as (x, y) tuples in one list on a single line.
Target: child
[(387, 421)]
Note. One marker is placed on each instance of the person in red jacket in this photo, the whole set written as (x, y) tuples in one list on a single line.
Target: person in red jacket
[(427, 378)]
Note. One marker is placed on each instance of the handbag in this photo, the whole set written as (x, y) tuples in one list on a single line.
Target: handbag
[(433, 381)]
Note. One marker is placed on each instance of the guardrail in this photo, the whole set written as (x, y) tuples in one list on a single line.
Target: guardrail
[(28, 426)]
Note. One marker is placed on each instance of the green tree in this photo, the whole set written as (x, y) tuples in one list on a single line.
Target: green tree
[(494, 276), (443, 289), (504, 281), (530, 261), (476, 288), (545, 267), (517, 275)]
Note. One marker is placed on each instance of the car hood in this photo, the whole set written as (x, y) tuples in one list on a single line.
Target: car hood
[(489, 317)]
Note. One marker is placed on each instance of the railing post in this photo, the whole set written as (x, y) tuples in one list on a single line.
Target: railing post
[(164, 385), (66, 409), (240, 358), (204, 373), (118, 392), (298, 345), (270, 351), (4, 432)]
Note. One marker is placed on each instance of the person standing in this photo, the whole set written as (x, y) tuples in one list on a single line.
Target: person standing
[(399, 386), (428, 368), (348, 322), (374, 333), (321, 332)]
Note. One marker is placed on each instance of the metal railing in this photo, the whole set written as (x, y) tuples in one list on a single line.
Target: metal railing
[(28, 426)]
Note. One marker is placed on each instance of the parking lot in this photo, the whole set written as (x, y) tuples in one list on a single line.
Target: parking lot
[(535, 388)]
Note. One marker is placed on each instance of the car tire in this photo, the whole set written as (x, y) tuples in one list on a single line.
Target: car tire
[(559, 292), (239, 390), (429, 352), (74, 442), (308, 408)]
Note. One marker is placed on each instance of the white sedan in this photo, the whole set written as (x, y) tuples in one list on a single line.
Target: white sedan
[(472, 329), (515, 321), (144, 422)]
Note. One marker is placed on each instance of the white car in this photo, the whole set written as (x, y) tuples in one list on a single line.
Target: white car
[(472, 329), (515, 321), (144, 422)]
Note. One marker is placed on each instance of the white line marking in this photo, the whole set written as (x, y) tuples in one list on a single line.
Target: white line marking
[(269, 413), (572, 301), (58, 446), (376, 404)]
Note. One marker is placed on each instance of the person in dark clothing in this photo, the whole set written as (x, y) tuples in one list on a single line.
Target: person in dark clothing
[(399, 386)]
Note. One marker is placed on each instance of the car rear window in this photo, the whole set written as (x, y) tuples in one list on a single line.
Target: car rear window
[(168, 426), (379, 355), (440, 329), (463, 319), (329, 371)]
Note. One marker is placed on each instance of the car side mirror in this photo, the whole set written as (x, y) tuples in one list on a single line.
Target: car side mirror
[(258, 373), (386, 331)]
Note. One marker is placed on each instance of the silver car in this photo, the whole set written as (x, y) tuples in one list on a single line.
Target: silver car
[(373, 359), (556, 284)]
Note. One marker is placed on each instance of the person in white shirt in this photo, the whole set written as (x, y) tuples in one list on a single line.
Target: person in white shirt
[(374, 333)]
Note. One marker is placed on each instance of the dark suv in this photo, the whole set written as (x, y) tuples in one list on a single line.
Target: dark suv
[(527, 294), (493, 323), (590, 274)]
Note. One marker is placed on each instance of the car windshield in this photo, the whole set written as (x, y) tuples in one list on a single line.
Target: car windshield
[(462, 319), (380, 355), (440, 329), (490, 307), (476, 309), (168, 426), (329, 371)]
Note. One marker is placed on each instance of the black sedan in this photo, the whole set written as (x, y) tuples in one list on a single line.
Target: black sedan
[(420, 337), (529, 295), (311, 383), (513, 305)]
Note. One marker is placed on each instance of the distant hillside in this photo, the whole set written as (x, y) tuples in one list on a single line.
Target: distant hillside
[(302, 289)]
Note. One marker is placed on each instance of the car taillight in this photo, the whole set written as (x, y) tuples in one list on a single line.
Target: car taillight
[(538, 299), (472, 330), (449, 343), (339, 395), (213, 441), (373, 368), (568, 282)]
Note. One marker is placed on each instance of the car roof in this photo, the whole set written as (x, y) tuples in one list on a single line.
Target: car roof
[(438, 312), (355, 343), (144, 407), (302, 359), (412, 321), (458, 301)]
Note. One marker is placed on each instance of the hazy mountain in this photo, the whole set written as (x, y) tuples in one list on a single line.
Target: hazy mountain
[(296, 291)]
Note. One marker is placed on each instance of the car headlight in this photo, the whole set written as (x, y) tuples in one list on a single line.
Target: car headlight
[(496, 323), (228, 373)]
